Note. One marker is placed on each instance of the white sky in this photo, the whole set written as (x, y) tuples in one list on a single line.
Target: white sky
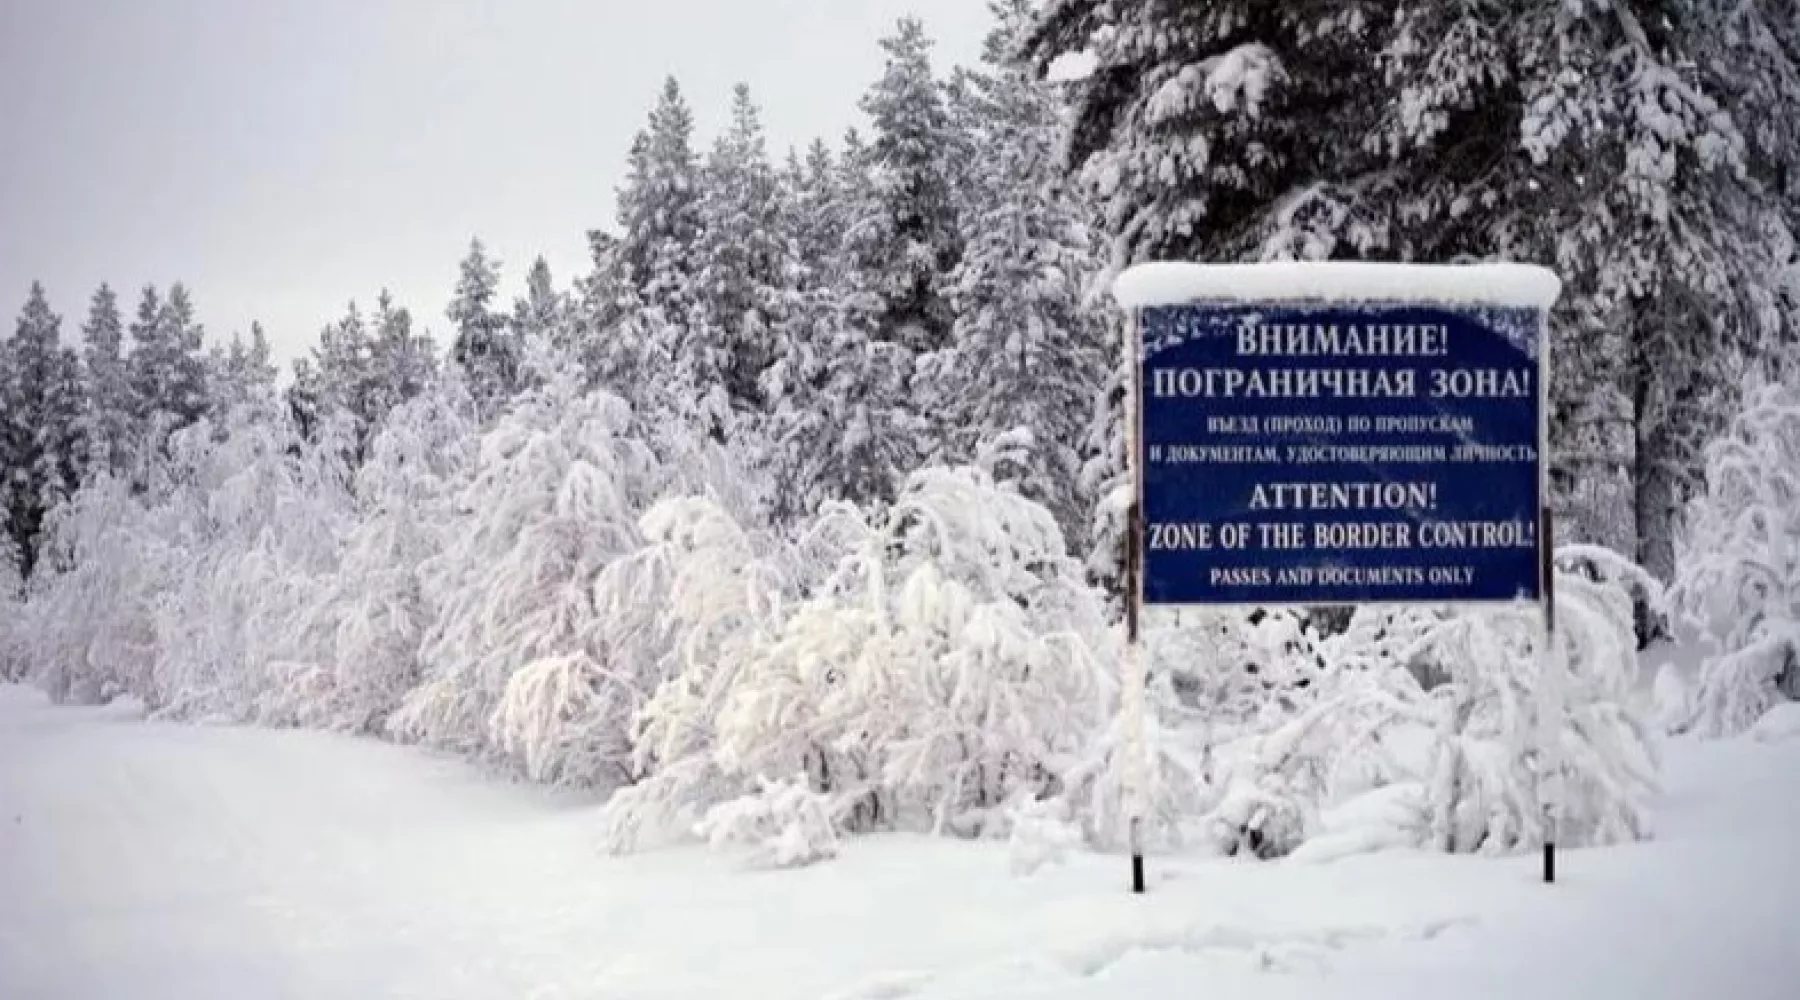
[(285, 156)]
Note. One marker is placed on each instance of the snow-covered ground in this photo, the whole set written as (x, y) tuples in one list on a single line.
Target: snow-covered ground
[(142, 862)]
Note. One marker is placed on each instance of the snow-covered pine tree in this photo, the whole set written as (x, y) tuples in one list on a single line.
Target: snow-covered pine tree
[(334, 381), (40, 443), (242, 375), (484, 347), (844, 424), (107, 419), (542, 312), (903, 235), (747, 265), (659, 210), (402, 362), (814, 203), (1025, 351)]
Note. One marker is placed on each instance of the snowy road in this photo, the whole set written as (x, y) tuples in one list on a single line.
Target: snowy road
[(151, 862)]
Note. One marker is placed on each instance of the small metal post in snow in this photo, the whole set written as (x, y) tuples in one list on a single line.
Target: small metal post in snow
[(1550, 696), (1133, 692)]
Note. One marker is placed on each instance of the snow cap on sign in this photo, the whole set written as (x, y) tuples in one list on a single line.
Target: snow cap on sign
[(1171, 283)]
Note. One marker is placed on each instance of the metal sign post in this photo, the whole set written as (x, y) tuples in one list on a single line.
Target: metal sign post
[(1308, 435)]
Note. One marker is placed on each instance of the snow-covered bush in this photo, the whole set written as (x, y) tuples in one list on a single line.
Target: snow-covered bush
[(88, 630), (512, 663), (256, 522), (947, 660), (357, 644), (1225, 690), (693, 603), (180, 588), (783, 824), (1424, 728), (1738, 566)]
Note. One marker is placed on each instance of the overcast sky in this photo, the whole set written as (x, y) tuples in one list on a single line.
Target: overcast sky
[(285, 156)]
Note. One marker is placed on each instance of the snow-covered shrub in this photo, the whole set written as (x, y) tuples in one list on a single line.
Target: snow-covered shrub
[(1425, 728), (783, 824), (356, 647), (255, 520), (943, 661), (86, 631), (949, 662), (1268, 786), (180, 587), (1224, 689), (1738, 565), (1391, 816), (693, 603), (1464, 717), (512, 663)]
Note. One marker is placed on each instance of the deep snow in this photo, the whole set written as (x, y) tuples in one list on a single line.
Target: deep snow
[(149, 861)]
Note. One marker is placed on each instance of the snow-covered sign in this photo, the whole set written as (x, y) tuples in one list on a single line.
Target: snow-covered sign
[(1339, 433)]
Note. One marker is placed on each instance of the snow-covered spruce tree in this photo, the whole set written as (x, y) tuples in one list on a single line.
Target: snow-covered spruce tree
[(166, 368), (543, 311), (903, 236), (1602, 139), (403, 362), (511, 666), (483, 346), (1104, 485), (1739, 565), (106, 422), (242, 374), (748, 269), (659, 210), (953, 661), (361, 370), (816, 215), (844, 424), (40, 446), (1025, 350), (331, 382)]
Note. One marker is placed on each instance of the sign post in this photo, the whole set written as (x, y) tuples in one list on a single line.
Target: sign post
[(1311, 434)]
